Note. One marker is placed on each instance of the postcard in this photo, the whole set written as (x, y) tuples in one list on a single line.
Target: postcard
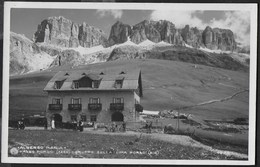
[(129, 83)]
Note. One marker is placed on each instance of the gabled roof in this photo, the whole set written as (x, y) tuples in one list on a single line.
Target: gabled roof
[(107, 80)]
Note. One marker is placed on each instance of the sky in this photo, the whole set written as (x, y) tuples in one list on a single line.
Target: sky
[(25, 21)]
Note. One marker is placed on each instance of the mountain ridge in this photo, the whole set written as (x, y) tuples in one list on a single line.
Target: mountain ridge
[(78, 44)]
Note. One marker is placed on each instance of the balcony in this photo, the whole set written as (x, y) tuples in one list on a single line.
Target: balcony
[(116, 106), (55, 107), (74, 107), (138, 108), (95, 106)]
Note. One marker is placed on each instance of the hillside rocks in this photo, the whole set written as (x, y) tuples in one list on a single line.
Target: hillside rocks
[(178, 53), (26, 56), (218, 39), (63, 32)]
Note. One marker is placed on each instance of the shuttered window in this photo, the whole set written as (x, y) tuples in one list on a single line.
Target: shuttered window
[(75, 101), (56, 101), (94, 100), (118, 100)]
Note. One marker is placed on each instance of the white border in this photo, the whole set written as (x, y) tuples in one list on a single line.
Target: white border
[(134, 6)]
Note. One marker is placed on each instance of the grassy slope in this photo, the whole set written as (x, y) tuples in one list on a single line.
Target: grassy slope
[(162, 80), (74, 141)]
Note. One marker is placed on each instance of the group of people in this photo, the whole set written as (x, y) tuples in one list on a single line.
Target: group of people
[(76, 125), (20, 124), (114, 127)]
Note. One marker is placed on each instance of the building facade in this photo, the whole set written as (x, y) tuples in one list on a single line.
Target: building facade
[(94, 96)]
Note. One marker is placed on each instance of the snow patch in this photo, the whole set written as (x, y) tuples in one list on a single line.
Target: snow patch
[(147, 112), (39, 61), (146, 43), (83, 50), (214, 51), (162, 43), (188, 46)]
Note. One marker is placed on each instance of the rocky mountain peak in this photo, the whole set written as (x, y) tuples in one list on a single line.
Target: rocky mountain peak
[(163, 30), (219, 39), (63, 32), (119, 33)]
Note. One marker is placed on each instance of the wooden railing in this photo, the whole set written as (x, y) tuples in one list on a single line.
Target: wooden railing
[(55, 107)]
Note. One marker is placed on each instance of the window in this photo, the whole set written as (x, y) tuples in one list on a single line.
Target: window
[(118, 83), (75, 84), (73, 118), (83, 118), (58, 84), (93, 118), (75, 101), (94, 100), (56, 101), (122, 72), (118, 100), (95, 84)]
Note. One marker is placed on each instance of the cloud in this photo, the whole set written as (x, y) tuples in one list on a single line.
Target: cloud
[(117, 14), (237, 21), (179, 18)]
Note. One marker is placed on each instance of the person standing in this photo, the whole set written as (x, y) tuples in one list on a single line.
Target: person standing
[(52, 124), (80, 125)]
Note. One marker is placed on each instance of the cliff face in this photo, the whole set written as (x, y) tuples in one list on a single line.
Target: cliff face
[(63, 32), (192, 36), (119, 33), (219, 39), (156, 32), (166, 31)]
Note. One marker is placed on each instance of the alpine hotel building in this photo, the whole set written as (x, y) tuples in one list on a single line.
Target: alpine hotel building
[(94, 96)]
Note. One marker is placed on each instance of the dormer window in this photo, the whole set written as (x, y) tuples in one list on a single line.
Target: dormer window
[(122, 72), (118, 83), (67, 74), (95, 83), (58, 84), (84, 73), (75, 84), (101, 73)]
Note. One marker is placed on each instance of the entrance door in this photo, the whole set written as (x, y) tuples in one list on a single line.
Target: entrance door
[(117, 116), (58, 120)]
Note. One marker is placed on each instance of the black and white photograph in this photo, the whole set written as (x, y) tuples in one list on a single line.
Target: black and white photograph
[(129, 83)]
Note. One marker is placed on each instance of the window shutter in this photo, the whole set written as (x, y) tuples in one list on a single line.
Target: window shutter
[(98, 100), (60, 100), (122, 100), (79, 100)]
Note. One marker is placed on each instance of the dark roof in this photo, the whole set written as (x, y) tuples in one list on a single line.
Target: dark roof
[(108, 79)]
